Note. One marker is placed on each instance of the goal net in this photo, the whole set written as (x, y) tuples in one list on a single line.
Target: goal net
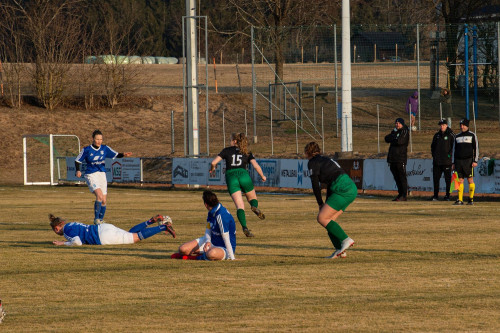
[(44, 157)]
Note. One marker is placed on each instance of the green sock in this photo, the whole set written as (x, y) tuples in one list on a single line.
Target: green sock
[(335, 241), (336, 230), (240, 213), (254, 203)]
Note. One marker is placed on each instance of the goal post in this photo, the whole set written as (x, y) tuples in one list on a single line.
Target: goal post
[(42, 156)]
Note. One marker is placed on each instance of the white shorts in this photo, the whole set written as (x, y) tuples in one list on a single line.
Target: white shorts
[(97, 180), (201, 244), (111, 235)]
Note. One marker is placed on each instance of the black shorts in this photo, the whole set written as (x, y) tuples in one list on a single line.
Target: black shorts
[(464, 168)]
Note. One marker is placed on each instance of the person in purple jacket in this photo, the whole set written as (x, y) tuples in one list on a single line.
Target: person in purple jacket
[(412, 109)]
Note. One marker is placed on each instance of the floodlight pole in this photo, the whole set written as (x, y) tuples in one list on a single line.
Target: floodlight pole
[(346, 80), (192, 79)]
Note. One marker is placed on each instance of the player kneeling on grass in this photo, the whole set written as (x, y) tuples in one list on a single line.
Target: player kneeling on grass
[(107, 234), (219, 242)]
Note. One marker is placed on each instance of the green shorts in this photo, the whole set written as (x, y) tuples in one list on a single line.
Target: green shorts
[(344, 191), (238, 180)]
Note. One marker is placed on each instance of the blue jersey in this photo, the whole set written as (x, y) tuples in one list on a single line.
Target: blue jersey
[(221, 221), (95, 158), (79, 233)]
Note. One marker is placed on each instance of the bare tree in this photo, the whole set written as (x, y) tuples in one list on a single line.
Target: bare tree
[(52, 27), (12, 48), (275, 16), (455, 13)]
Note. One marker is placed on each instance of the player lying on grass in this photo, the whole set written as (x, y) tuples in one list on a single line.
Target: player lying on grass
[(219, 242), (107, 234)]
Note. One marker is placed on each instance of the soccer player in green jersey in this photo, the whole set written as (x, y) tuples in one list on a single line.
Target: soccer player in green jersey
[(341, 192), (238, 180)]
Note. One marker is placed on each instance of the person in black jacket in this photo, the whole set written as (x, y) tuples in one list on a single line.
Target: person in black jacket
[(464, 158), (442, 146), (397, 157)]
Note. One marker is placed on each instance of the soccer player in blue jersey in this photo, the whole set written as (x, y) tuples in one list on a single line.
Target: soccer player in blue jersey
[(219, 242), (95, 174), (107, 234)]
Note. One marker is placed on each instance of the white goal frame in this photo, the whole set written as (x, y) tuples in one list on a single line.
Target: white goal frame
[(51, 159)]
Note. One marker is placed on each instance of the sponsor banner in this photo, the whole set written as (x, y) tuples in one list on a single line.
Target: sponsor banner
[(294, 174), (378, 176), (496, 174), (118, 170), (219, 176), (271, 170), (354, 168), (190, 171), (124, 170)]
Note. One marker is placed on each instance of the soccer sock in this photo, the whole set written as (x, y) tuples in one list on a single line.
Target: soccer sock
[(335, 229), (461, 191), (148, 232), (254, 203), (335, 241), (102, 212), (139, 227), (472, 188), (240, 213), (97, 209)]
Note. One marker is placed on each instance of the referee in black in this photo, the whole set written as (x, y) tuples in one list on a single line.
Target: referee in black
[(465, 157), (398, 156), (442, 146)]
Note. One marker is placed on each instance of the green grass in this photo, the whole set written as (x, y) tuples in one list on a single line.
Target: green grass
[(416, 266)]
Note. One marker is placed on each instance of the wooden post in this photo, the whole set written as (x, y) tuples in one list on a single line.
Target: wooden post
[(316, 53), (242, 55), (302, 53), (396, 52), (221, 57), (415, 52), (354, 54), (215, 76), (374, 52)]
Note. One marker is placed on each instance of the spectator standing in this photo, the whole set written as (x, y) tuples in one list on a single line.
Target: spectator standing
[(465, 156), (442, 146), (398, 156), (412, 109)]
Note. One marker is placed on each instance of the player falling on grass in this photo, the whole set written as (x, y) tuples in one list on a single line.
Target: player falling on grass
[(341, 192), (107, 234), (238, 180), (95, 174), (219, 242)]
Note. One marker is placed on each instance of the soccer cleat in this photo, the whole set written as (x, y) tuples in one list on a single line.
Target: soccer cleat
[(259, 214), (470, 202), (157, 219), (433, 199), (346, 243), (2, 312), (396, 198), (400, 199), (247, 232), (167, 222), (446, 198), (98, 221), (458, 203)]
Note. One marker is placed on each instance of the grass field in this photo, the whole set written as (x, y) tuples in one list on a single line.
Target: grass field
[(416, 266)]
